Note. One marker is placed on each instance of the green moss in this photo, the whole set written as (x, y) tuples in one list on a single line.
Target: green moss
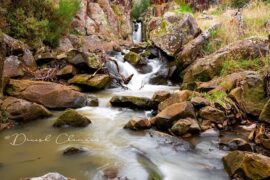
[(230, 66), (219, 97), (71, 118), (116, 9), (256, 94)]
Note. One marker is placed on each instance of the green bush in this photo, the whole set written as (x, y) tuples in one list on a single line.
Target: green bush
[(238, 3), (38, 21), (61, 19), (138, 7)]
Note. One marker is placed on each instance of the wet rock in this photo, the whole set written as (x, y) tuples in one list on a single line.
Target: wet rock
[(172, 31), (74, 150), (110, 172), (67, 71), (176, 97), (250, 94), (166, 117), (50, 176), (49, 94), (213, 114), (253, 166), (184, 126), (206, 68), (169, 141), (235, 144), (199, 102), (13, 67), (71, 118), (138, 124), (97, 81), (23, 111), (160, 96), (132, 57), (133, 102), (265, 114)]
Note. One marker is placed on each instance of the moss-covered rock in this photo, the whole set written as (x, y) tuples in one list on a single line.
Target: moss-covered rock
[(250, 95), (97, 81), (133, 102), (253, 166), (172, 31), (67, 71), (132, 57), (265, 114), (206, 68), (71, 118)]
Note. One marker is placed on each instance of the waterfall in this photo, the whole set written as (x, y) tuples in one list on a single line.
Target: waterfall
[(126, 69), (137, 32)]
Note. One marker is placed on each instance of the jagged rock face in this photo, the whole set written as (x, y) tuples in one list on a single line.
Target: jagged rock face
[(109, 19)]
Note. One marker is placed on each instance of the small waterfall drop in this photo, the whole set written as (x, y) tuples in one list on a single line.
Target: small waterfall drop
[(137, 32), (126, 69)]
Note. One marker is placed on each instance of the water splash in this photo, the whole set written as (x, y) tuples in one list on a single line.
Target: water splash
[(137, 32)]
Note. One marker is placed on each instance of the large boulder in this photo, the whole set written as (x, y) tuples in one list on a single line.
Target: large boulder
[(133, 102), (176, 97), (265, 114), (172, 31), (49, 94), (167, 116), (253, 166), (23, 111), (206, 68), (250, 94), (71, 118), (97, 81)]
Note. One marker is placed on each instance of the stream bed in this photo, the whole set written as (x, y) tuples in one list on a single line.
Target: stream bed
[(36, 148)]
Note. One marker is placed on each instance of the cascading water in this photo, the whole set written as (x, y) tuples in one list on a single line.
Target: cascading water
[(137, 32), (138, 80)]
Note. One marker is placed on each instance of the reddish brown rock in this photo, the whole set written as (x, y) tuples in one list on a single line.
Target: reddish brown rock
[(23, 111), (49, 94)]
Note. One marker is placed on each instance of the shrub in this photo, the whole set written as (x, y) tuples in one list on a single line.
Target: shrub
[(138, 7), (61, 19), (238, 3), (38, 21)]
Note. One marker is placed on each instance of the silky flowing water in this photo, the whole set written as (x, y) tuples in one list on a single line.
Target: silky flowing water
[(136, 155)]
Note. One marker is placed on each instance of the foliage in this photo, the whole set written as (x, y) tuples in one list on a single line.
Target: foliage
[(217, 96), (238, 3), (138, 7), (38, 21), (60, 22)]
